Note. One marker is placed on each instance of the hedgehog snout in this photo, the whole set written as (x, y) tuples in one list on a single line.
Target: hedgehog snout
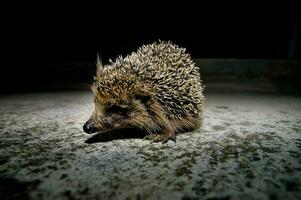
[(89, 127)]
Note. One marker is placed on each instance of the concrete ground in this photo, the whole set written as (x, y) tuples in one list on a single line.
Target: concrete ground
[(249, 148)]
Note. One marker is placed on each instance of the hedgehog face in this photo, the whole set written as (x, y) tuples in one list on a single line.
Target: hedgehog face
[(118, 110)]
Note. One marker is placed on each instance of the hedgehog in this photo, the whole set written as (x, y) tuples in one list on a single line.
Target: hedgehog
[(157, 89)]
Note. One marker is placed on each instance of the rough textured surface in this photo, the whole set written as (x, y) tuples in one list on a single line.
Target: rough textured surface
[(249, 148)]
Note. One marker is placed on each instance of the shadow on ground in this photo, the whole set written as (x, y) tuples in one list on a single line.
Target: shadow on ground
[(115, 135)]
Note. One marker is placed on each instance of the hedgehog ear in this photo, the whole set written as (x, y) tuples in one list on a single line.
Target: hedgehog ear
[(144, 98), (99, 65)]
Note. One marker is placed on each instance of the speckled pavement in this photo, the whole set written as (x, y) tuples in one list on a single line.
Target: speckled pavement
[(249, 148)]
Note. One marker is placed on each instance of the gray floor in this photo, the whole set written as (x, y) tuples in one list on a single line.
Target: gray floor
[(249, 148)]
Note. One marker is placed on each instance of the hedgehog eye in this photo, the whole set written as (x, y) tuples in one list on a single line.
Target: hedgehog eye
[(117, 109)]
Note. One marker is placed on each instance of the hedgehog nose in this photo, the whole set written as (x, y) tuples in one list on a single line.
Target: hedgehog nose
[(89, 127)]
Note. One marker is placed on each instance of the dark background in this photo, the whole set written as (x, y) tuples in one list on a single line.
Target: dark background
[(50, 47)]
